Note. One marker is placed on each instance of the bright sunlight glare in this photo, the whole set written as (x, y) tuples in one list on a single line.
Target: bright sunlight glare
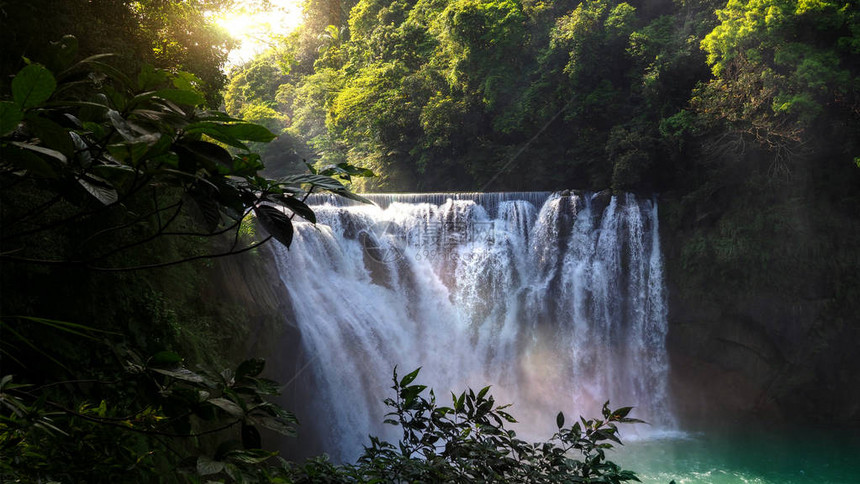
[(255, 28)]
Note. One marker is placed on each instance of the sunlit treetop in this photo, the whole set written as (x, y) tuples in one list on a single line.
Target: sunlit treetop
[(257, 24)]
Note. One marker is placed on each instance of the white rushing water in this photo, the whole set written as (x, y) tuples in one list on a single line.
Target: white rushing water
[(556, 301)]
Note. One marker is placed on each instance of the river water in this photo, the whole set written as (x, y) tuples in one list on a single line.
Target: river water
[(749, 455)]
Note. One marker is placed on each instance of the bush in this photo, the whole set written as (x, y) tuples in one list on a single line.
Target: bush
[(468, 442)]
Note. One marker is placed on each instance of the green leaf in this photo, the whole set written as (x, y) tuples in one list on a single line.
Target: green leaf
[(96, 129), (27, 160), (186, 81), (181, 96), (621, 412), (203, 153), (99, 188), (276, 223), (130, 153), (42, 150), (247, 164), (458, 402), (165, 358), (252, 367), (264, 386), (10, 117), (250, 456), (249, 132), (559, 420), (483, 392), (32, 86), (227, 447), (406, 380), (51, 134), (150, 78), (215, 131), (183, 374), (277, 425), (207, 466), (296, 206), (228, 406), (322, 181), (352, 196), (346, 170)]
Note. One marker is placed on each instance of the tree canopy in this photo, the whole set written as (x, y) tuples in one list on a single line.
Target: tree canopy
[(456, 94)]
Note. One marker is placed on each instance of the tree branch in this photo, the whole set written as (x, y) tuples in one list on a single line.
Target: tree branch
[(180, 261)]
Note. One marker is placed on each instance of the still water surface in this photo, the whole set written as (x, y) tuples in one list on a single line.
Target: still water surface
[(815, 456)]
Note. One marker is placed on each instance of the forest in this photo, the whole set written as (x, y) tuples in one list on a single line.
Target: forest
[(142, 177)]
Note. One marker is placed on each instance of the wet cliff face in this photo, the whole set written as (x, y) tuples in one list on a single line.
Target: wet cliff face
[(251, 286), (763, 300)]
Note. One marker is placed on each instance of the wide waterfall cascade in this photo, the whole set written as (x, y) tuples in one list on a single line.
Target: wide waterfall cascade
[(557, 301)]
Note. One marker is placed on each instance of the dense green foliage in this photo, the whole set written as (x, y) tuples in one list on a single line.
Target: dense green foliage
[(104, 176), (170, 35), (525, 94)]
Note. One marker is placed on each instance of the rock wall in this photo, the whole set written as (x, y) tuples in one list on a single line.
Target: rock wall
[(251, 283), (763, 306)]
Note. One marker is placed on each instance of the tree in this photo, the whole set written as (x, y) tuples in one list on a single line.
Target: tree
[(778, 63), (165, 34), (105, 174)]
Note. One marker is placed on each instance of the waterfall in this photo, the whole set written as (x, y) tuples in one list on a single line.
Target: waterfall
[(556, 301)]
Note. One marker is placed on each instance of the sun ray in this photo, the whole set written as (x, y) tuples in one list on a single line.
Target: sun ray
[(255, 29)]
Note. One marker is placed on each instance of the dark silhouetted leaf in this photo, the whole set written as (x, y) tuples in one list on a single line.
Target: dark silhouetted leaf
[(51, 134), (296, 206), (201, 153), (210, 212), (27, 160), (252, 367), (322, 181), (41, 149), (276, 223), (215, 131), (352, 196), (251, 437)]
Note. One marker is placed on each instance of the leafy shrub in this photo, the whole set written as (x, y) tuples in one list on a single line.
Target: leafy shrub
[(468, 442)]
